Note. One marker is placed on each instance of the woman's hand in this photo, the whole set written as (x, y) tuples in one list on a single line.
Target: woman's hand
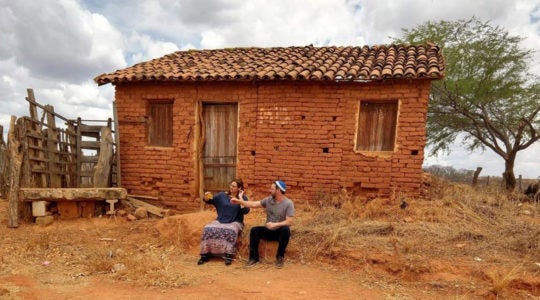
[(241, 194)]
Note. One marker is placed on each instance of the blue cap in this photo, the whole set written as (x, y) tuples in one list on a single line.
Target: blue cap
[(281, 185)]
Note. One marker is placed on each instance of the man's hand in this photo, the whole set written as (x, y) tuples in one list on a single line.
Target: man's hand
[(272, 225)]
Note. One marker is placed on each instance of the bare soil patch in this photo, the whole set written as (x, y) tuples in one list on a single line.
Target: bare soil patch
[(457, 243)]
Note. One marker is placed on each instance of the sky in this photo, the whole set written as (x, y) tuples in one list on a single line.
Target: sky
[(57, 47)]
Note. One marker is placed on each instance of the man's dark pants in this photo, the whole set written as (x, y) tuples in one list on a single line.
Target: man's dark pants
[(282, 235)]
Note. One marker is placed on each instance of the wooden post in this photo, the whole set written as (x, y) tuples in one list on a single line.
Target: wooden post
[(15, 172), (78, 140), (199, 141), (102, 170), (39, 150), (117, 143), (32, 105), (520, 182), (71, 179), (52, 149), (475, 177), (4, 164)]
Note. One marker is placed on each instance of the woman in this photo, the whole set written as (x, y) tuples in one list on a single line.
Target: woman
[(219, 236)]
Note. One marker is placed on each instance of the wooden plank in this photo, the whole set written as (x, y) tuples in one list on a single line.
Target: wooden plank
[(92, 145), (96, 129), (151, 208), (89, 159), (143, 197), (55, 161)]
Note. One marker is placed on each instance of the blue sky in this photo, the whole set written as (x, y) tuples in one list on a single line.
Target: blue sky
[(57, 47)]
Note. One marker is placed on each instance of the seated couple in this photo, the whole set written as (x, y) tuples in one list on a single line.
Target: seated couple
[(219, 237)]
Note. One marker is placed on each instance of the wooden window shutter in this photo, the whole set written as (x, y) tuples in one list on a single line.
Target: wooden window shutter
[(160, 124), (377, 126)]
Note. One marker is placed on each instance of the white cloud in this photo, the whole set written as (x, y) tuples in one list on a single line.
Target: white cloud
[(59, 40), (284, 23), (145, 48)]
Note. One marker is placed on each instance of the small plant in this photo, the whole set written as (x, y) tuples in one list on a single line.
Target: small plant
[(500, 281)]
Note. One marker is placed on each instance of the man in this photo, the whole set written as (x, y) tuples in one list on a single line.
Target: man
[(279, 218)]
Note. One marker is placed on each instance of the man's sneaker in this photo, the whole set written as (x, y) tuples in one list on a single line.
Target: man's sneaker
[(251, 263), (279, 262)]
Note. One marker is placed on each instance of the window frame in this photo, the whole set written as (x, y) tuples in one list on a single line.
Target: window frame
[(358, 147), (156, 129)]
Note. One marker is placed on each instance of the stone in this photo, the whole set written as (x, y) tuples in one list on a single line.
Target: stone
[(44, 221), (141, 213)]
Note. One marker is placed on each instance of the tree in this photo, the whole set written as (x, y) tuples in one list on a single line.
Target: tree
[(488, 94)]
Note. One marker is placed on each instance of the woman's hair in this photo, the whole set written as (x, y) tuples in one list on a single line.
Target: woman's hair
[(239, 184)]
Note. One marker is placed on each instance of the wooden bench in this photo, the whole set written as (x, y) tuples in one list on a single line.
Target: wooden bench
[(72, 202)]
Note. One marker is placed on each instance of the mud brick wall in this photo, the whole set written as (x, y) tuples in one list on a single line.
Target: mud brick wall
[(300, 132)]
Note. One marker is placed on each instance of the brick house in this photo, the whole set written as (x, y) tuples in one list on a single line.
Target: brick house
[(319, 118)]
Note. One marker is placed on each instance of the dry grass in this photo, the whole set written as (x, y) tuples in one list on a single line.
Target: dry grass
[(456, 238), (454, 223)]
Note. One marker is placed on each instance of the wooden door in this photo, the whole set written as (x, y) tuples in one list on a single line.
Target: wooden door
[(220, 145)]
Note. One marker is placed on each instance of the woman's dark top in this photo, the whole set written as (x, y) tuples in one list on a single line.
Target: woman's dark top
[(226, 211)]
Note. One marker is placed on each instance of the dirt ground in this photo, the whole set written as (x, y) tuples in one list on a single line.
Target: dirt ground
[(113, 258)]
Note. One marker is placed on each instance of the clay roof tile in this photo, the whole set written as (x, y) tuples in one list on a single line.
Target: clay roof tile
[(288, 63)]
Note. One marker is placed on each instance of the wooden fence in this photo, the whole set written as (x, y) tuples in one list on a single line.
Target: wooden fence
[(39, 154)]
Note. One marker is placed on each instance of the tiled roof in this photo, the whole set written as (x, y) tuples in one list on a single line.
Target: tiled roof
[(289, 63)]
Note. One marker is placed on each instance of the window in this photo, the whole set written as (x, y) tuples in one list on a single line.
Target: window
[(377, 122), (160, 123)]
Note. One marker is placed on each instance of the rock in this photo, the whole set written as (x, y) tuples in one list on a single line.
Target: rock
[(141, 213), (375, 228), (44, 221), (131, 217), (526, 212), (118, 268)]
